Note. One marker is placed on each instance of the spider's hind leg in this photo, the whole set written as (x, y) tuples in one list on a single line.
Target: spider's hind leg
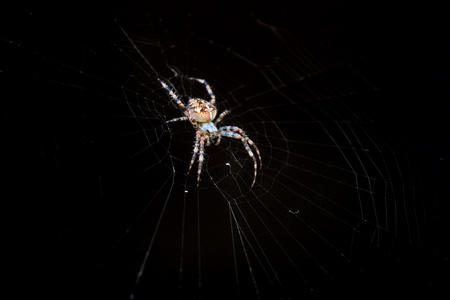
[(177, 119), (172, 94), (221, 116), (208, 88)]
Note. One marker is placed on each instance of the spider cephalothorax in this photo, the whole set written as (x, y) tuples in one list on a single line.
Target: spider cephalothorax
[(201, 114)]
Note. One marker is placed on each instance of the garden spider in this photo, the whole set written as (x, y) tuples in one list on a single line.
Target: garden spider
[(201, 114)]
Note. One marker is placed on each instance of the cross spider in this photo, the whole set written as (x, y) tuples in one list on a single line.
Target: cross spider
[(201, 114)]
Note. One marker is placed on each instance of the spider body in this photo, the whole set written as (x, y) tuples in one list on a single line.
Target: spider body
[(201, 110), (201, 114)]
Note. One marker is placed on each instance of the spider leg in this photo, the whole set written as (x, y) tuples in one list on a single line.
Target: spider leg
[(172, 94), (200, 159), (246, 141), (218, 140), (208, 88), (221, 116), (178, 119), (194, 155)]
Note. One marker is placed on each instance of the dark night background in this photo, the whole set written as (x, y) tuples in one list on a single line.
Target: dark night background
[(60, 229)]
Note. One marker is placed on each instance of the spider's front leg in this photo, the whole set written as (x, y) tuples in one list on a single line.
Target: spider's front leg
[(237, 133), (243, 137), (194, 155), (199, 148), (200, 159)]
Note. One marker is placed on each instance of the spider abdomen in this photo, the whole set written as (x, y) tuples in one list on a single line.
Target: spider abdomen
[(201, 110)]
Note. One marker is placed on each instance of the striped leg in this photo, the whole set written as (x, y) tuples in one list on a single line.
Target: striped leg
[(194, 155), (221, 116), (200, 159), (178, 119), (208, 88), (172, 94), (246, 141), (198, 147)]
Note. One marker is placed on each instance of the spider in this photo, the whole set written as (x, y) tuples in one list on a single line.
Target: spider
[(201, 114)]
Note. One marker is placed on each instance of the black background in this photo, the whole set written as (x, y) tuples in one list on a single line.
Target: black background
[(60, 236)]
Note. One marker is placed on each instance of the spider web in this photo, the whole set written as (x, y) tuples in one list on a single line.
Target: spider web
[(350, 199)]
